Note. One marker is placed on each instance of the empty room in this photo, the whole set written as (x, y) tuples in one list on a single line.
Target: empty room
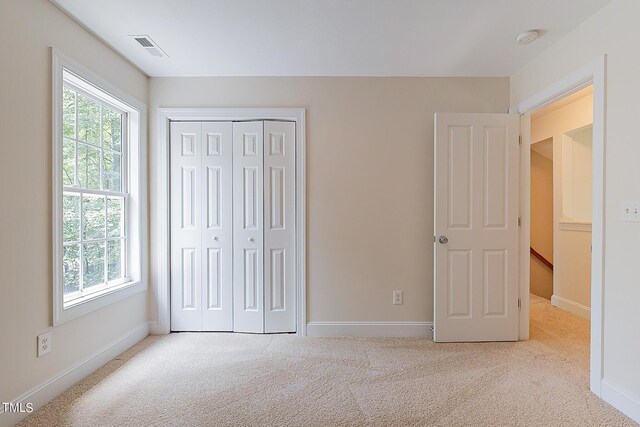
[(319, 213)]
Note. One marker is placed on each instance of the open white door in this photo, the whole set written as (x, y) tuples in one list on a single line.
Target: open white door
[(476, 227)]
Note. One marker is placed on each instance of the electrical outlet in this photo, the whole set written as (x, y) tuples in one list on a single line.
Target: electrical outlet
[(631, 211), (44, 343), (397, 297)]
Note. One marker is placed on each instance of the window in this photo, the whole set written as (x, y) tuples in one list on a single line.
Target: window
[(98, 192), (95, 195)]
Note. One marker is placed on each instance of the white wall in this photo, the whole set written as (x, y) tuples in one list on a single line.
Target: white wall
[(369, 178), (577, 174), (613, 31), (572, 248), (27, 29)]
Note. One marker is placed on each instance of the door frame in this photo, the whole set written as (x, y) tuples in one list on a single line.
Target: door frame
[(593, 73), (164, 118)]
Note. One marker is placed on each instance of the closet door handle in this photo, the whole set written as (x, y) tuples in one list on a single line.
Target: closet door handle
[(250, 239), (215, 237)]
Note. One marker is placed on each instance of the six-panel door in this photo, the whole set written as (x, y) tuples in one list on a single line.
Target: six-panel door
[(233, 226), (201, 226), (476, 227)]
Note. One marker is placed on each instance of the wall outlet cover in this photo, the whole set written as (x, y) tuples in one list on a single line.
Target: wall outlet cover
[(631, 211), (44, 343), (397, 297)]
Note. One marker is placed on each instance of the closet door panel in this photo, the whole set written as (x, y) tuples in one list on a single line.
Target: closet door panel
[(279, 226), (217, 226), (248, 242), (186, 226)]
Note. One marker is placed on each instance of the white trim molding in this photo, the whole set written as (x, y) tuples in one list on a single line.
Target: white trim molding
[(164, 117), (621, 401), (574, 226), (137, 263), (524, 233), (593, 73), (571, 306), (48, 390), (370, 329)]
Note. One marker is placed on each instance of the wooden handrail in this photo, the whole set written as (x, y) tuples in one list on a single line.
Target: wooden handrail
[(541, 258)]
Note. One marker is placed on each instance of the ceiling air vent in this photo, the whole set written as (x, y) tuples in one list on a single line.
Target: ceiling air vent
[(144, 42), (149, 45)]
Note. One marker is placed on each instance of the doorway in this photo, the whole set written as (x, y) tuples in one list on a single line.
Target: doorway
[(561, 158), (561, 202), (590, 74)]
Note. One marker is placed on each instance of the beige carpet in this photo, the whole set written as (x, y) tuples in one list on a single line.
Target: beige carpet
[(249, 380)]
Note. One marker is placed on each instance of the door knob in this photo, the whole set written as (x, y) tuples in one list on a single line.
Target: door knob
[(443, 240), (215, 237), (250, 239)]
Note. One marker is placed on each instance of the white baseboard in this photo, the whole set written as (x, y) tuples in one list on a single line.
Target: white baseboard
[(369, 329), (48, 390), (156, 329), (571, 306), (621, 401)]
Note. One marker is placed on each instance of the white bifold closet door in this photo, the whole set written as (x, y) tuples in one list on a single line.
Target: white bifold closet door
[(264, 226), (201, 226), (248, 229), (233, 226)]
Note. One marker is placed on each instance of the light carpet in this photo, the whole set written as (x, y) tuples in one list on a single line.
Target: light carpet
[(206, 379)]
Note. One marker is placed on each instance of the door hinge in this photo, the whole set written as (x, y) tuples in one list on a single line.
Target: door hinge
[(434, 239), (519, 139), (519, 304), (519, 221)]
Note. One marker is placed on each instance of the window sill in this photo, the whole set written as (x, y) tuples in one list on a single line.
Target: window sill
[(81, 306)]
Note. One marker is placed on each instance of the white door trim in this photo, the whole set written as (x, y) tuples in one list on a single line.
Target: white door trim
[(165, 115), (593, 73)]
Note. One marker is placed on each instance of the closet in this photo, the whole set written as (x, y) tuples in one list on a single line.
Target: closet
[(233, 236)]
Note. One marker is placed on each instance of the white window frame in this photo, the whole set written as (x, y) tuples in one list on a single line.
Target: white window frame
[(135, 172), (70, 81)]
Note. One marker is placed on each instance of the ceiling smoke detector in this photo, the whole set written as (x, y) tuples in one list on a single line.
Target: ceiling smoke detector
[(149, 45), (527, 37)]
